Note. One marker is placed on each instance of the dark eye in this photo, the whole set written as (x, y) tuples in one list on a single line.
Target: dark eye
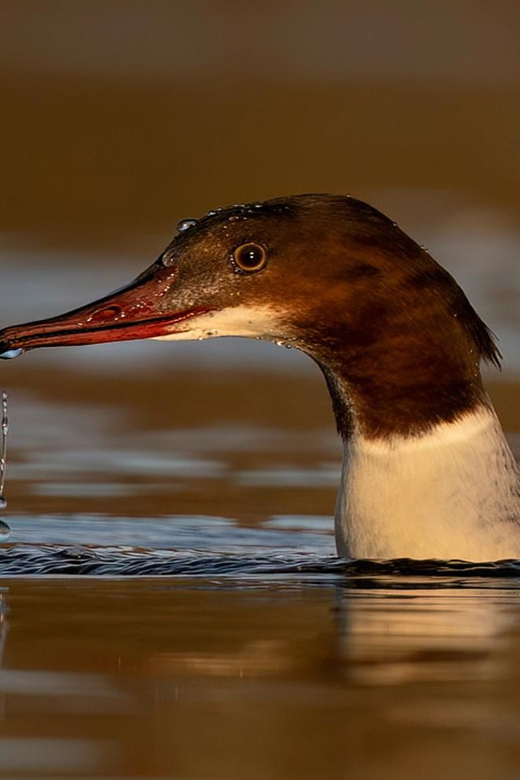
[(250, 257)]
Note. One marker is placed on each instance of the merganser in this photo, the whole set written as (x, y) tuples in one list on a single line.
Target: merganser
[(427, 470)]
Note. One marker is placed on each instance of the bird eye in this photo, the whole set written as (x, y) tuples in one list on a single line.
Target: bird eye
[(250, 257)]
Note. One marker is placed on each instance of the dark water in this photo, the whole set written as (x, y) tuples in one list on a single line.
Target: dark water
[(303, 568)]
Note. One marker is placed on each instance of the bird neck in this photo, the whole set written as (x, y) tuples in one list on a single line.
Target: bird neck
[(383, 391), (451, 492)]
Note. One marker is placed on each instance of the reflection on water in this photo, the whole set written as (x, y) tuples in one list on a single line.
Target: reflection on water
[(131, 678)]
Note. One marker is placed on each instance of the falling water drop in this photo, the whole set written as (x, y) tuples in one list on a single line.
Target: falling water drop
[(3, 450), (5, 531)]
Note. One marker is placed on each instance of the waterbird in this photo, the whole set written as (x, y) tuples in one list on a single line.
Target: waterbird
[(427, 470)]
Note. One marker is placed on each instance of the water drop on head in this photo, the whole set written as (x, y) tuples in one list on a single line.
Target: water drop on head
[(11, 353), (5, 531), (185, 224)]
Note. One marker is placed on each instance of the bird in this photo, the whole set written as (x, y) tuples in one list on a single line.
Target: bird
[(427, 469)]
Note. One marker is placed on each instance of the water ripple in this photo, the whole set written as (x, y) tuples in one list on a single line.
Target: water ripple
[(49, 559)]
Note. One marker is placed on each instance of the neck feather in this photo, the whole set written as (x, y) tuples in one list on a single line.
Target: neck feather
[(391, 395)]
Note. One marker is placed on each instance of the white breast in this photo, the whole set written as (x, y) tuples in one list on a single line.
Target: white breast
[(452, 493)]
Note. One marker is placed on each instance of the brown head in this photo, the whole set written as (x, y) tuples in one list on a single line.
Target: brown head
[(394, 334)]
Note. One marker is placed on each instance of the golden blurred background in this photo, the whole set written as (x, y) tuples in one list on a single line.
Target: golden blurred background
[(121, 116)]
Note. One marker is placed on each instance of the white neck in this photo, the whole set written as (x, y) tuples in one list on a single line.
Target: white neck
[(451, 493)]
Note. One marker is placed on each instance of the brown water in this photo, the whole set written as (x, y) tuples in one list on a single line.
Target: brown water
[(177, 678)]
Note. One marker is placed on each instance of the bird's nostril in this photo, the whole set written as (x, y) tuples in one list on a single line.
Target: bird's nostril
[(108, 313)]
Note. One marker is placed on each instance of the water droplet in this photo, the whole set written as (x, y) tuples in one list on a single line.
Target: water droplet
[(184, 224), (3, 450), (106, 313), (5, 531), (9, 354), (166, 260)]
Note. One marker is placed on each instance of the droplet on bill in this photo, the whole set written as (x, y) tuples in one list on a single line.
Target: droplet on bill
[(9, 354)]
